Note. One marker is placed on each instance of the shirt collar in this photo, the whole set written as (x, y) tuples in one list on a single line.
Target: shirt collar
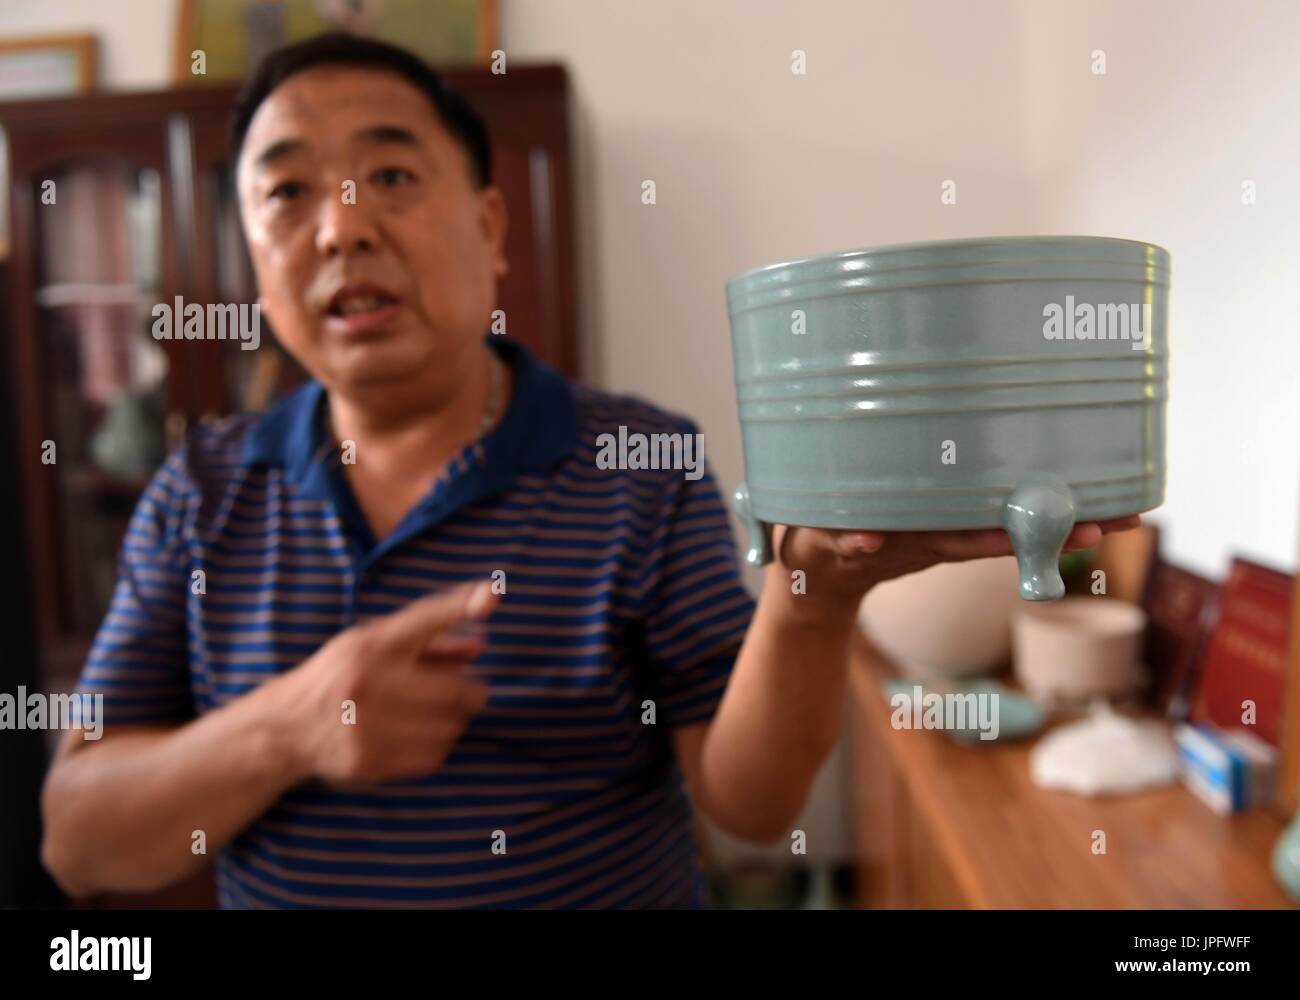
[(538, 429)]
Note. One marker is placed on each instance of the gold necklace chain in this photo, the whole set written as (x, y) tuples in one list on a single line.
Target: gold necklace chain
[(491, 408)]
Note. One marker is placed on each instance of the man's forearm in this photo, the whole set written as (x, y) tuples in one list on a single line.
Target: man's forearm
[(781, 715), (121, 814)]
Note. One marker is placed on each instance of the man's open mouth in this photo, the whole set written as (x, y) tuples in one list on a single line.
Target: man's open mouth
[(358, 299)]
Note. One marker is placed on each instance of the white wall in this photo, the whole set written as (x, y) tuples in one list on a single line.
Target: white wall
[(1198, 97)]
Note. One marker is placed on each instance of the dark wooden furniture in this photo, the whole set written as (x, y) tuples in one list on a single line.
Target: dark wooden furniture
[(937, 824), (143, 210)]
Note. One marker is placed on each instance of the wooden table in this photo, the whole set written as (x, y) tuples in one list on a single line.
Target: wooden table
[(938, 824)]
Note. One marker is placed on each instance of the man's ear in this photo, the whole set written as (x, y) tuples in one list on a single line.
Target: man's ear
[(494, 221)]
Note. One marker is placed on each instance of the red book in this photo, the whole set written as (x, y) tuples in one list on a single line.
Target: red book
[(1180, 607), (1247, 652)]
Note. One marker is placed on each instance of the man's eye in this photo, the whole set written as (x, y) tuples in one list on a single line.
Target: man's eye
[(286, 191), (392, 176)]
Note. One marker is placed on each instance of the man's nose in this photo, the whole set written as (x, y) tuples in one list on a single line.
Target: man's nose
[(344, 228)]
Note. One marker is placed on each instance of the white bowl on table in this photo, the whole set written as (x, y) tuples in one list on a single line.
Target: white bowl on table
[(949, 620), (1079, 648)]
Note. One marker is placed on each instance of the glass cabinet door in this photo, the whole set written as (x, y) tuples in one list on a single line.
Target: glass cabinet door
[(97, 264)]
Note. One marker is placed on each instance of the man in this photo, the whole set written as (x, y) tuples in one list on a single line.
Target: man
[(470, 667)]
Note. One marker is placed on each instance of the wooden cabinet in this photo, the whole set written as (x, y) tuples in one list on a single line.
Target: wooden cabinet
[(121, 201)]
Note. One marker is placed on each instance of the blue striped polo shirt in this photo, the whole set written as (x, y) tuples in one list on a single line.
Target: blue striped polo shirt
[(621, 586)]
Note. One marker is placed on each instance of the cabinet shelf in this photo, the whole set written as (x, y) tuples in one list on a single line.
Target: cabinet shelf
[(88, 480), (76, 293)]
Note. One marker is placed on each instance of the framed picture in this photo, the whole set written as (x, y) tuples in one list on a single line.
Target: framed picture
[(234, 35), (46, 66), (42, 66)]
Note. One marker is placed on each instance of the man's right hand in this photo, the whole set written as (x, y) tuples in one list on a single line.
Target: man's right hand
[(389, 698), (121, 812)]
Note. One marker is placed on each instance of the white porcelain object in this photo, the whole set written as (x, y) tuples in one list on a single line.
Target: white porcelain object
[(945, 621), (1105, 754), (1078, 649)]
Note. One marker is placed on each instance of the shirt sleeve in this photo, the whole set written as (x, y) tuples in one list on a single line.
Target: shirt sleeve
[(139, 660), (697, 609)]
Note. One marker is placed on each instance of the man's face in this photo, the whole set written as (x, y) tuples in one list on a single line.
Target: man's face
[(376, 255)]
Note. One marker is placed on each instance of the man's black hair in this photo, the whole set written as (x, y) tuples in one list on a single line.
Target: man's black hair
[(340, 49)]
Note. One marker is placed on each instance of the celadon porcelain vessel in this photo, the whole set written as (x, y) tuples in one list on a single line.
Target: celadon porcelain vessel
[(1015, 382)]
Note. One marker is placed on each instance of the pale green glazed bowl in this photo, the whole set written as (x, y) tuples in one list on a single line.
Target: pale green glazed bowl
[(1015, 382)]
